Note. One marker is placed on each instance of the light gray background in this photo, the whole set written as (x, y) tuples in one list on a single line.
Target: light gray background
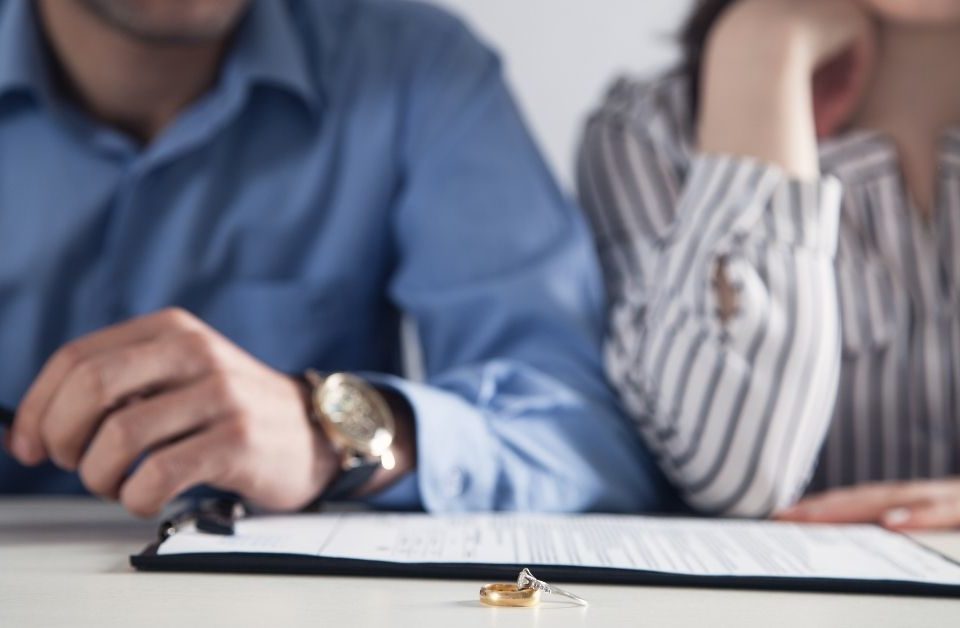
[(560, 56)]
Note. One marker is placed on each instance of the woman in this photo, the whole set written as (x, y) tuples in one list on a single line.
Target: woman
[(777, 224)]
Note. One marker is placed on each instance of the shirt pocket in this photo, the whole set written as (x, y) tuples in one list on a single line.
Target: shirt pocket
[(288, 324), (868, 297)]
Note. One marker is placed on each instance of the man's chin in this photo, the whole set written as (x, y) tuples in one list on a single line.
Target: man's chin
[(169, 22)]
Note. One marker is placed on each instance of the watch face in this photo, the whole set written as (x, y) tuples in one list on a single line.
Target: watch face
[(359, 415)]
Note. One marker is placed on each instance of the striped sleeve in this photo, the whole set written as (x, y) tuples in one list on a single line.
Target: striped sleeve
[(736, 410)]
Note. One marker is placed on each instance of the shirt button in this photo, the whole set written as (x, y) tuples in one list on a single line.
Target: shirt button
[(455, 484)]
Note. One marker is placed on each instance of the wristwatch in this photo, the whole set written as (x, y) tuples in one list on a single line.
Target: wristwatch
[(355, 418)]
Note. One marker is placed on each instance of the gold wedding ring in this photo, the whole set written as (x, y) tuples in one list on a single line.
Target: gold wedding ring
[(508, 595)]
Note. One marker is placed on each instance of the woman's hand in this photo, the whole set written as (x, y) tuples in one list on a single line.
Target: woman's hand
[(926, 505), (779, 74)]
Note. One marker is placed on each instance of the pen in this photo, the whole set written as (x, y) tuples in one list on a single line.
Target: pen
[(211, 516), (6, 417)]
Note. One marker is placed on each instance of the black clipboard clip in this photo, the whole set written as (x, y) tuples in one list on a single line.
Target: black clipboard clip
[(210, 516)]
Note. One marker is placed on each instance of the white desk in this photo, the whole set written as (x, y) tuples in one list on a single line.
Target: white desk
[(64, 563)]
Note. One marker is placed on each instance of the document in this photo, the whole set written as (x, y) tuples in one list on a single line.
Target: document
[(698, 547)]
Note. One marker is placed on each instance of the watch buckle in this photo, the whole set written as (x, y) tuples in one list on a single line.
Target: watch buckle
[(388, 461)]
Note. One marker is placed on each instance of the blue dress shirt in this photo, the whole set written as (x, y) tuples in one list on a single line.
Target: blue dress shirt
[(356, 160)]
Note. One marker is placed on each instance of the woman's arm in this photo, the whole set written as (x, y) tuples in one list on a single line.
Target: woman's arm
[(735, 403), (778, 73)]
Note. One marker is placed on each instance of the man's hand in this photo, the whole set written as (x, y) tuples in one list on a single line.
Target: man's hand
[(171, 402), (932, 505)]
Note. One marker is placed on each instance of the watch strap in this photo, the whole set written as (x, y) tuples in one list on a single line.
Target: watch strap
[(348, 482)]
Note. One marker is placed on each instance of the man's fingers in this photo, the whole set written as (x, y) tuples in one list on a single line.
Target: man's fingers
[(132, 431), (940, 514), (168, 472), (27, 444), (110, 378)]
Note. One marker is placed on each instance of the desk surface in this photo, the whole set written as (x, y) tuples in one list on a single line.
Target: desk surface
[(64, 563)]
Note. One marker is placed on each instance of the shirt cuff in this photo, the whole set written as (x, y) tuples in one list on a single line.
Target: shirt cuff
[(748, 194), (456, 464), (404, 494)]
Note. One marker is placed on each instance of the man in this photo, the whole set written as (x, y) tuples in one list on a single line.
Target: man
[(200, 200)]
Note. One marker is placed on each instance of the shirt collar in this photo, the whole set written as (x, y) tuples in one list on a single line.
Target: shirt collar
[(859, 155), (863, 155), (24, 65), (951, 148), (266, 51)]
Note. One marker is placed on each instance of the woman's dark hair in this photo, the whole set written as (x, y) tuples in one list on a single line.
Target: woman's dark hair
[(694, 37)]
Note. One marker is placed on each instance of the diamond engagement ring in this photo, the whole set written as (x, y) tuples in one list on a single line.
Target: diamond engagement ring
[(526, 581)]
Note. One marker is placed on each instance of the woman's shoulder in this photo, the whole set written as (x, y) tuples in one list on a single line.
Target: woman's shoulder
[(658, 108)]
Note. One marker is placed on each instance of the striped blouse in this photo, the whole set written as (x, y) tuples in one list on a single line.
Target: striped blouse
[(841, 363)]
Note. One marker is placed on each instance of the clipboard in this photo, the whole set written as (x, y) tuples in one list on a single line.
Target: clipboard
[(931, 574)]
